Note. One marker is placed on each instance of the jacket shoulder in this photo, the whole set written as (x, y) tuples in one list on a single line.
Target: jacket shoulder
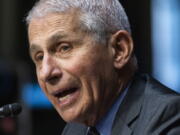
[(160, 110), (153, 86), (157, 94)]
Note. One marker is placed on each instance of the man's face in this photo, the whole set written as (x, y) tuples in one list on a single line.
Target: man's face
[(75, 72)]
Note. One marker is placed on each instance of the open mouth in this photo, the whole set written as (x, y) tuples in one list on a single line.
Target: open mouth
[(65, 94)]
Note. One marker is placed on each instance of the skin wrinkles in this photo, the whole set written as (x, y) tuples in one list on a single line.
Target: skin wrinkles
[(82, 64), (54, 41)]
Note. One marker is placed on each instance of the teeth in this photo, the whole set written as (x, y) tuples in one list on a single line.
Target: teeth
[(64, 98)]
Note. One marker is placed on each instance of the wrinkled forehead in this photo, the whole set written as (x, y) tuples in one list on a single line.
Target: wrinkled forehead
[(54, 21)]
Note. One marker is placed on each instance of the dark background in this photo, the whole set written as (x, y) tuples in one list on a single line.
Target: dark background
[(16, 68)]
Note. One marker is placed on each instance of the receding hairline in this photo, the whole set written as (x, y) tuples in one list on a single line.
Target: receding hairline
[(103, 7)]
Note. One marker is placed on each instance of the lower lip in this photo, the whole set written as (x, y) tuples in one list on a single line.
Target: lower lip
[(70, 100)]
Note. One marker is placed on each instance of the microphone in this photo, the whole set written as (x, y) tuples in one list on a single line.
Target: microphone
[(10, 110)]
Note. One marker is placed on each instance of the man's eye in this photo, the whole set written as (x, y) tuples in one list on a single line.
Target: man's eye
[(63, 47), (39, 57)]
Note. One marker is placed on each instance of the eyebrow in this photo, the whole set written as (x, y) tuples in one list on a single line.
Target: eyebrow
[(56, 37), (33, 48), (52, 39)]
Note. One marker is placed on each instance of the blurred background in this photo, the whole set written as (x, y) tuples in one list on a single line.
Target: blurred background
[(155, 30)]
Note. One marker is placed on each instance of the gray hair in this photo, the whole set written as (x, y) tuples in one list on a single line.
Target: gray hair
[(100, 17)]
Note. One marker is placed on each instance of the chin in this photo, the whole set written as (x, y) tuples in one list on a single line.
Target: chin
[(69, 116)]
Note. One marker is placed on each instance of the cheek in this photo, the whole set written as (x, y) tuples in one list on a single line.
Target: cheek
[(85, 70), (43, 86), (45, 91), (80, 67), (41, 83)]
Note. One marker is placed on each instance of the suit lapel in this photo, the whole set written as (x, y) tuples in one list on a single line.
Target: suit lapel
[(130, 108), (121, 128)]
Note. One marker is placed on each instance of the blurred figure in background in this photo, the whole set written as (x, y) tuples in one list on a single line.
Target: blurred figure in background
[(86, 66)]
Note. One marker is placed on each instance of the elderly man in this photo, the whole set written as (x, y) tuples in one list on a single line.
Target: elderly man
[(83, 52)]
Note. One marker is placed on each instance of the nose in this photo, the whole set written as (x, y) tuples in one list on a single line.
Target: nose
[(50, 71)]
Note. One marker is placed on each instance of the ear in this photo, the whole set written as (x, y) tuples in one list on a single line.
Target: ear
[(122, 45)]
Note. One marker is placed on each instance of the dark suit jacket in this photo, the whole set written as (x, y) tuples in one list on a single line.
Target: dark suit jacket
[(149, 108)]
